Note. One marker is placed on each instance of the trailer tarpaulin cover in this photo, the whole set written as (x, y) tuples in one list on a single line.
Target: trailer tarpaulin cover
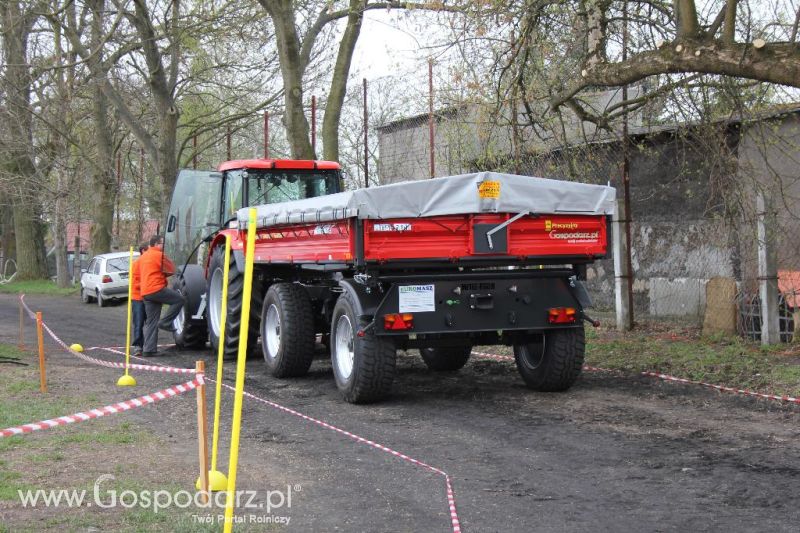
[(483, 192)]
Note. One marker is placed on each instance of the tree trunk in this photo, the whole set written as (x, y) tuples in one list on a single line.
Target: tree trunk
[(333, 109), (104, 181), (292, 69), (16, 85)]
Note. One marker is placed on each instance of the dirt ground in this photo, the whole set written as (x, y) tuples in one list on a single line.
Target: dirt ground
[(615, 453)]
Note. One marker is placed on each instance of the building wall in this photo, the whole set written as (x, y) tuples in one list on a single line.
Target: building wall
[(692, 201)]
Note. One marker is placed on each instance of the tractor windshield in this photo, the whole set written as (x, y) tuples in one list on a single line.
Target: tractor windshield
[(274, 186)]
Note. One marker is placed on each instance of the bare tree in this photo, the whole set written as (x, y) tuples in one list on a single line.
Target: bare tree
[(17, 21)]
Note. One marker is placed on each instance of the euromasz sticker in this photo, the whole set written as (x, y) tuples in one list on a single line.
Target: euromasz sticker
[(489, 189)]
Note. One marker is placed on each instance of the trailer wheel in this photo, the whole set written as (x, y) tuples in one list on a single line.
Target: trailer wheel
[(554, 364), (233, 318), (446, 358), (190, 333), (287, 330), (363, 366)]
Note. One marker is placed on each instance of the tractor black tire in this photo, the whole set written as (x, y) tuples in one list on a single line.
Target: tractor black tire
[(373, 361), (446, 358), (190, 333), (287, 330), (233, 320), (554, 364)]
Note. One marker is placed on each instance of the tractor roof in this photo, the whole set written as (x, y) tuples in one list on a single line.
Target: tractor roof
[(288, 164)]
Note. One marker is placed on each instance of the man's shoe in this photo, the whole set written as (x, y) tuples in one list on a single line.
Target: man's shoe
[(149, 354), (167, 327), (137, 350)]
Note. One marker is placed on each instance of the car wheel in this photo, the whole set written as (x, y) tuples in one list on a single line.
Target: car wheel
[(85, 298), (101, 302)]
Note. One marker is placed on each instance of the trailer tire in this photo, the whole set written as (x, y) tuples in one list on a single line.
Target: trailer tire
[(233, 319), (554, 364), (287, 330), (363, 366), (190, 333), (446, 358)]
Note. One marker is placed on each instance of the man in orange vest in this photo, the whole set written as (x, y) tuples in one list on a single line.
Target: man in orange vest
[(156, 268), (137, 304)]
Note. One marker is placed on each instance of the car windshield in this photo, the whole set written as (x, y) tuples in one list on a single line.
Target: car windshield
[(118, 264), (284, 186)]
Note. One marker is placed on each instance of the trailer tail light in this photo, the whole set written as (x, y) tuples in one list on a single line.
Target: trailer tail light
[(562, 315), (398, 321), (107, 279)]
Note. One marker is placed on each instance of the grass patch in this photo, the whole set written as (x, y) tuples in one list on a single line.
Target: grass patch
[(684, 353), (37, 286)]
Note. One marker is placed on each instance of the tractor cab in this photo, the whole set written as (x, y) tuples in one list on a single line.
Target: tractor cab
[(204, 202)]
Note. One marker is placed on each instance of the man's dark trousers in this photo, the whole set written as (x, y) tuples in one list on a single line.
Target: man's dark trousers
[(154, 321), (137, 308)]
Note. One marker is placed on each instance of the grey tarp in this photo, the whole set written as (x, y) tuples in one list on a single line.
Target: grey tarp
[(452, 195)]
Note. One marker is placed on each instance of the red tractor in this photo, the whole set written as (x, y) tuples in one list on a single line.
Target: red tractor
[(439, 265)]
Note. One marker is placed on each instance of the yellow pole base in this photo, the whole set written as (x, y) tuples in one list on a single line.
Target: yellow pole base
[(217, 481), (126, 381), (76, 347)]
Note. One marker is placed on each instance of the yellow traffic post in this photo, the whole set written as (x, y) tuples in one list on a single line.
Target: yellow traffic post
[(42, 370), (202, 433), (240, 367), (217, 481), (127, 380)]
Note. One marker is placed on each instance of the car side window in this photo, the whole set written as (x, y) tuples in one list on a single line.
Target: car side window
[(90, 268), (96, 267)]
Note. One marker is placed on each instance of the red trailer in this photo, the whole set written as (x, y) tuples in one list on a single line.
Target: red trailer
[(440, 265)]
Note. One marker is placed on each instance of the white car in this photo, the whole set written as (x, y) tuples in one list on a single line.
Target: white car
[(106, 278)]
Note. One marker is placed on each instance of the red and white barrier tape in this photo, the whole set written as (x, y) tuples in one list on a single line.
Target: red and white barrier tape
[(509, 358), (667, 377), (745, 392), (109, 364), (451, 500), (107, 410)]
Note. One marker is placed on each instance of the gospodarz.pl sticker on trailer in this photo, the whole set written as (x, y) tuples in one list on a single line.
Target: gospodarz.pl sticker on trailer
[(416, 298)]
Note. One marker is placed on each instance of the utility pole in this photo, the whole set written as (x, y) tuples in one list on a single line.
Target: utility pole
[(626, 178), (366, 137), (430, 117)]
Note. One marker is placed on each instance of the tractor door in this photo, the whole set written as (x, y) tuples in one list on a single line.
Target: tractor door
[(194, 213)]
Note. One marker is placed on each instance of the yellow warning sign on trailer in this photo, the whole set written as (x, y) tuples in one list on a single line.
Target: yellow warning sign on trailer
[(489, 189)]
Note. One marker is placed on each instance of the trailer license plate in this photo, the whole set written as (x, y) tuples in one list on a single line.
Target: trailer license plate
[(416, 298)]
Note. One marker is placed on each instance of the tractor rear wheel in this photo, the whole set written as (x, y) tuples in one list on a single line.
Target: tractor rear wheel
[(233, 319)]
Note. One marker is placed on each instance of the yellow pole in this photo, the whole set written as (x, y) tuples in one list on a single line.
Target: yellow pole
[(42, 371), (127, 380), (202, 433), (240, 364), (217, 480)]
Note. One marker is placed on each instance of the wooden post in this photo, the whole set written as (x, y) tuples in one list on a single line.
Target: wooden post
[(202, 432), (21, 343), (42, 371), (266, 134)]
